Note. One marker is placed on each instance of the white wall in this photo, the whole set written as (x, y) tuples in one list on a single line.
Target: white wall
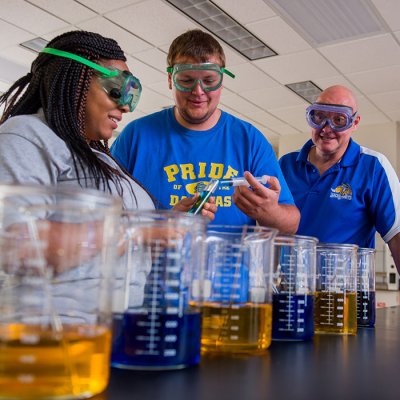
[(384, 138)]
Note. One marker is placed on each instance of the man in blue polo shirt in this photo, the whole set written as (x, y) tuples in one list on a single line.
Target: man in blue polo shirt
[(345, 192)]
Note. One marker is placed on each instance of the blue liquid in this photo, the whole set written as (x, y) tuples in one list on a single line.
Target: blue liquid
[(366, 309), (156, 341), (292, 317)]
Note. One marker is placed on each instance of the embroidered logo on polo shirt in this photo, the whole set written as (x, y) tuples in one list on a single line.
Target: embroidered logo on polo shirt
[(342, 192)]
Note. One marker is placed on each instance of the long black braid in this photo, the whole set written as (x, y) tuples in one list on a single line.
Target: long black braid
[(60, 86)]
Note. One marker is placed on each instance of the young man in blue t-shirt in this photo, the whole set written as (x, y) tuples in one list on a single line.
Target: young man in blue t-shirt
[(176, 152), (345, 192)]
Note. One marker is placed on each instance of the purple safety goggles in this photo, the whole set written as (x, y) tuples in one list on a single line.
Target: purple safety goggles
[(339, 117)]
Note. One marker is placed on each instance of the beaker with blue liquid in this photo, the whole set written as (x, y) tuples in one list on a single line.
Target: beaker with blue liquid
[(366, 307), (155, 326), (293, 287), (236, 306)]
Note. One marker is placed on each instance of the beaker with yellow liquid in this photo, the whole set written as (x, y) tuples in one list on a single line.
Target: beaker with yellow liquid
[(336, 289), (237, 293), (57, 249)]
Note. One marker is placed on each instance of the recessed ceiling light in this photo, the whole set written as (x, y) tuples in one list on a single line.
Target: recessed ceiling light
[(35, 45), (222, 25), (324, 22), (308, 90)]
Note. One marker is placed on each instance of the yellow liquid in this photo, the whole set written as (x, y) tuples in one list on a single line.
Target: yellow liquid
[(236, 328), (335, 313), (43, 364)]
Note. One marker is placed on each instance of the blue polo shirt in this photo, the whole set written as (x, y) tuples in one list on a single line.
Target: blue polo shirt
[(349, 202)]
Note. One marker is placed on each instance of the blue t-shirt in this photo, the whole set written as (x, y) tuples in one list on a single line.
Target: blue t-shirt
[(351, 201), (171, 160)]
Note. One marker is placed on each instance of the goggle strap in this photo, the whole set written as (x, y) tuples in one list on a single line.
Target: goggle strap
[(60, 53), (229, 73)]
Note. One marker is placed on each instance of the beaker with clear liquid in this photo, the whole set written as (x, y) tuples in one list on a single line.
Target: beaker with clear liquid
[(294, 287), (57, 248), (366, 307), (336, 289), (155, 326), (236, 307)]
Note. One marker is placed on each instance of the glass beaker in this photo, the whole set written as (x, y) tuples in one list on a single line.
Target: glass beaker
[(56, 253), (237, 309), (336, 289), (366, 287), (154, 324), (293, 287)]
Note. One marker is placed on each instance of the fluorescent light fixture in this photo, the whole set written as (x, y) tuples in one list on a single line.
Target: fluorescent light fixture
[(308, 90), (36, 44), (222, 25), (324, 22)]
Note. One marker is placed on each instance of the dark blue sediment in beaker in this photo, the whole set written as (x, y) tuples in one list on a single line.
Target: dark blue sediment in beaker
[(156, 341), (366, 309), (292, 317)]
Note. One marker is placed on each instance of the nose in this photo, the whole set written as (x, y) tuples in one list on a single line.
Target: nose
[(197, 88), (124, 108)]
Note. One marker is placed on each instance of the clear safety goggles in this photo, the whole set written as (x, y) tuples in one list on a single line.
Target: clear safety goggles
[(208, 75), (121, 86), (339, 117)]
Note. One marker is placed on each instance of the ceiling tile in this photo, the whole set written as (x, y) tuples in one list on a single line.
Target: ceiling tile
[(232, 57), (390, 11), (364, 54), (377, 80), (237, 103), (162, 88), (128, 42), (274, 97), (146, 74), (11, 71), (285, 129), (326, 82), (244, 14), (153, 19), (67, 10), (154, 57), (278, 35), (29, 17), (248, 77), (264, 118), (21, 56), (151, 101), (102, 6), (389, 101), (294, 116), (298, 67), (10, 34)]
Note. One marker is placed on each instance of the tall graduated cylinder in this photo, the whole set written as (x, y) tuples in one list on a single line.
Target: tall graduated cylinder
[(366, 288), (336, 289), (294, 287), (237, 309), (57, 248), (154, 324)]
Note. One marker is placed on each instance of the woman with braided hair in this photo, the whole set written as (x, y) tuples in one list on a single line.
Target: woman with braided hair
[(59, 117)]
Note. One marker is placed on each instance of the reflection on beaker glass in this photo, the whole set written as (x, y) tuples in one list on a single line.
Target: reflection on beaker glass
[(366, 287), (294, 287), (56, 251), (336, 289), (154, 324), (237, 310)]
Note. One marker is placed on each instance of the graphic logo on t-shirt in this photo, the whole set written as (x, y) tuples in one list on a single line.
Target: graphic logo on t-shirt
[(188, 179), (342, 192)]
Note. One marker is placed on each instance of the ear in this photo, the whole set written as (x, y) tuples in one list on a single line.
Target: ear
[(356, 122), (170, 81)]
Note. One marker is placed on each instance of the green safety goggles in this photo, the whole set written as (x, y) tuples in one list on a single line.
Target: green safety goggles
[(121, 86), (208, 75)]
